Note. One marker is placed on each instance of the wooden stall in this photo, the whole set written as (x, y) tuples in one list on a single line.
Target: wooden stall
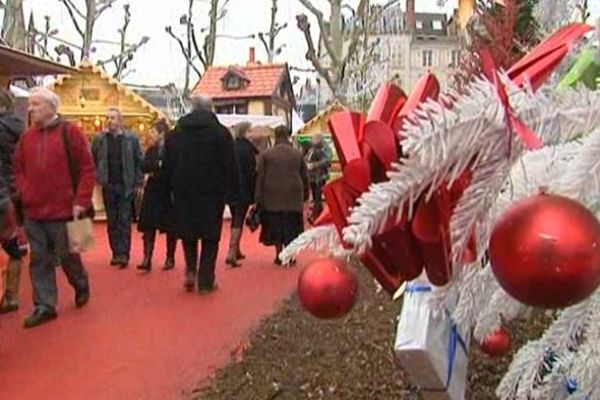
[(87, 94)]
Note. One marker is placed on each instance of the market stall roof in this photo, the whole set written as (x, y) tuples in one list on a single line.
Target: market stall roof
[(322, 116), (70, 86), (15, 63)]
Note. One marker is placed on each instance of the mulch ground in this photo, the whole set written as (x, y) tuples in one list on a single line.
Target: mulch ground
[(293, 356)]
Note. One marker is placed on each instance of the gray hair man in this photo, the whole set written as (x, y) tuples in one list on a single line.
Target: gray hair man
[(52, 194)]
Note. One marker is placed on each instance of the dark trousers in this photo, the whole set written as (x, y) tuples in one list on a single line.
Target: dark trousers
[(118, 213), (205, 267), (238, 215), (46, 240), (316, 189), (150, 238)]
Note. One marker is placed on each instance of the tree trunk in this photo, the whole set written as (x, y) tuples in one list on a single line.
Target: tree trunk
[(272, 31), (13, 25), (88, 33), (336, 33), (212, 32), (190, 26)]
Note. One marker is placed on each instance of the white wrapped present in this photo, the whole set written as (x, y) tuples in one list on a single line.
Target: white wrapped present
[(430, 348)]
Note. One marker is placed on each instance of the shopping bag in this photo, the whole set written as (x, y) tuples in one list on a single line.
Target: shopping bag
[(430, 347), (81, 235)]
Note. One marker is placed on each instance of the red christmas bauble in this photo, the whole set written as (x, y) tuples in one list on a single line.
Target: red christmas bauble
[(545, 251), (327, 288), (496, 344)]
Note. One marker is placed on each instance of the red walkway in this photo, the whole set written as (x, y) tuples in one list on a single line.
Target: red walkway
[(141, 337)]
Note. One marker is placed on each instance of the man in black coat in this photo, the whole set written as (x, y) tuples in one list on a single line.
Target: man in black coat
[(201, 171)]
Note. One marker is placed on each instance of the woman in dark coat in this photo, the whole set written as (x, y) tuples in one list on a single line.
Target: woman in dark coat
[(245, 154), (281, 190), (156, 208)]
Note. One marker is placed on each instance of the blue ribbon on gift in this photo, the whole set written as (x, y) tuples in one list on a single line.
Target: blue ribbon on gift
[(456, 341), (417, 288)]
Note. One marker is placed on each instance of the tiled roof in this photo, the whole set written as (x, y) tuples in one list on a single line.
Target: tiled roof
[(262, 81)]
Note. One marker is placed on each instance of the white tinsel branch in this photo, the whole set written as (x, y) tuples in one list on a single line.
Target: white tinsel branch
[(320, 239), (474, 135)]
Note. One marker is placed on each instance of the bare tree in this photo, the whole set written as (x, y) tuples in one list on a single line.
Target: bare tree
[(268, 38), (122, 59), (345, 41), (190, 47), (85, 20)]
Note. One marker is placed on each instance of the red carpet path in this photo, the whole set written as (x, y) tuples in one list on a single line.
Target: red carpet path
[(141, 337)]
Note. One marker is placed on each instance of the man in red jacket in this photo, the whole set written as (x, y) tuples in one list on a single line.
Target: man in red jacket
[(45, 185)]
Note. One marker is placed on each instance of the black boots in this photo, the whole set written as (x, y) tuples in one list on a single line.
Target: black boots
[(149, 238), (171, 247)]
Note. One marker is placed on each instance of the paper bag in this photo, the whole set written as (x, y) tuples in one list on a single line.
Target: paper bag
[(430, 348), (81, 235)]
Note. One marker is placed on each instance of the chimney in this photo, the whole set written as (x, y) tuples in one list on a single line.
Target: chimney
[(411, 17), (252, 56)]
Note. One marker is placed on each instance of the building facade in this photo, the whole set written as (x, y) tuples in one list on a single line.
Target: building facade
[(413, 45), (254, 89)]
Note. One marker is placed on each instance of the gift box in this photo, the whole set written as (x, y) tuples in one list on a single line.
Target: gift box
[(429, 346)]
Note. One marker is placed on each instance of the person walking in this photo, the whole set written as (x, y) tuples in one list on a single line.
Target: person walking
[(118, 157), (52, 195), (156, 209), (318, 161), (245, 154), (11, 129), (201, 171), (281, 190)]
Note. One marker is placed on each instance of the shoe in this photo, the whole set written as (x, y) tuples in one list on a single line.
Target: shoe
[(123, 262), (82, 297), (169, 265), (232, 262), (39, 317), (190, 281), (114, 261), (208, 290), (240, 255), (8, 307), (145, 266), (277, 261)]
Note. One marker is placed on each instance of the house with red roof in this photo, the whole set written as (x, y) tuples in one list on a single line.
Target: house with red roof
[(254, 89)]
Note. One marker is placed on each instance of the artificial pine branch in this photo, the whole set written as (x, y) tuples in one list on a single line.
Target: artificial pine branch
[(323, 238)]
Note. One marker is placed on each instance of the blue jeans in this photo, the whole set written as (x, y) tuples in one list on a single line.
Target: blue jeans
[(117, 204)]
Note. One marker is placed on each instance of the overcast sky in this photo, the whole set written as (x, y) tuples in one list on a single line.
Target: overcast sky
[(160, 61)]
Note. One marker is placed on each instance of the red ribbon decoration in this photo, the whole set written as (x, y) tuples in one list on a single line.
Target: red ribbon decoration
[(368, 146)]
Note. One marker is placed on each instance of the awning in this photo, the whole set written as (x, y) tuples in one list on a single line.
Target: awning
[(230, 120), (15, 64)]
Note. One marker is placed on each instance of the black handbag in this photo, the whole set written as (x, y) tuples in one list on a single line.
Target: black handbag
[(253, 219)]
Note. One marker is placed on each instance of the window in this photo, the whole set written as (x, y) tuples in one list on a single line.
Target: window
[(455, 58), (233, 82), (239, 108), (437, 25), (427, 58), (419, 25)]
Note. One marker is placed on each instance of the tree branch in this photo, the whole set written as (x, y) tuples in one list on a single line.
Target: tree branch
[(183, 50), (71, 12), (104, 5), (311, 54), (325, 37), (198, 51), (75, 8)]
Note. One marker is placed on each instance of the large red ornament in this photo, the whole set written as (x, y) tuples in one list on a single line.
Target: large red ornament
[(496, 344), (545, 251), (327, 288)]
